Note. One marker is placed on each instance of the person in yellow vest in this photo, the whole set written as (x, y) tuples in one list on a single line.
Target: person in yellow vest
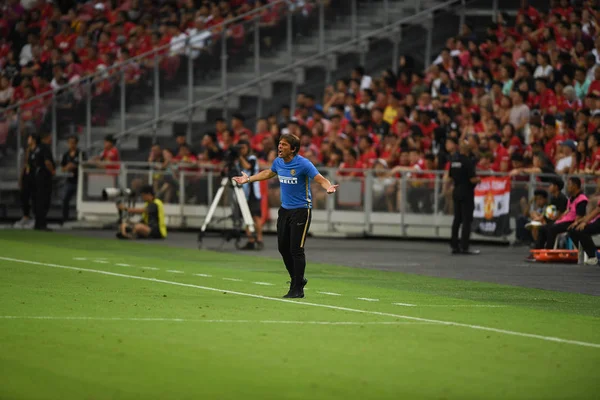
[(153, 224)]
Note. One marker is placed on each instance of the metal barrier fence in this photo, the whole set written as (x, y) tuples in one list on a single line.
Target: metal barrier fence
[(371, 203), (86, 102)]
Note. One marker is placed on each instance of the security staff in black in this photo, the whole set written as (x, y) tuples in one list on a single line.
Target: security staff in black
[(248, 163), (44, 171), (462, 173), (27, 181), (70, 165)]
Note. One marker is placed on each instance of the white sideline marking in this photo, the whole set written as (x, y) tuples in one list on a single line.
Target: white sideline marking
[(224, 321), (204, 275), (448, 305), (330, 293), (100, 261), (463, 305), (151, 268), (79, 258), (302, 303), (174, 271), (123, 265), (263, 283), (232, 279), (366, 299)]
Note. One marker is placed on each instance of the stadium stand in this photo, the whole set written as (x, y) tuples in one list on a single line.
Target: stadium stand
[(518, 89)]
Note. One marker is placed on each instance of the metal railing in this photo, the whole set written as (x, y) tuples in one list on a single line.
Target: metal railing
[(372, 202), (91, 97)]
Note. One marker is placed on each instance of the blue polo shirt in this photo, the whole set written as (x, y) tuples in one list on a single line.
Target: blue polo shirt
[(294, 181)]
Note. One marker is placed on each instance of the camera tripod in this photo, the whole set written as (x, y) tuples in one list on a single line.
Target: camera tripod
[(239, 203)]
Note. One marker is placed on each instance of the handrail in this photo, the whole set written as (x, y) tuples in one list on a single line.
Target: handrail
[(116, 67), (253, 82)]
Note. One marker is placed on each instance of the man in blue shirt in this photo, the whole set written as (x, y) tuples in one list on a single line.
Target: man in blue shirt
[(295, 174)]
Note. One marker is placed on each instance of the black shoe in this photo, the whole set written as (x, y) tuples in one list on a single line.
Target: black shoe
[(260, 245), (248, 246), (531, 259), (304, 282), (470, 252), (456, 251), (294, 294)]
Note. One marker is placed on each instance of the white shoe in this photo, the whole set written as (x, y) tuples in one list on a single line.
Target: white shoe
[(21, 223), (592, 261)]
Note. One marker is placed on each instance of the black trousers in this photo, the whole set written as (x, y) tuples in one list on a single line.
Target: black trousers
[(584, 237), (463, 215), (292, 228), (43, 194), (548, 233), (70, 191), (27, 194)]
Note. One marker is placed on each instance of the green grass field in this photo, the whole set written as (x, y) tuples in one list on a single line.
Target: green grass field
[(101, 319)]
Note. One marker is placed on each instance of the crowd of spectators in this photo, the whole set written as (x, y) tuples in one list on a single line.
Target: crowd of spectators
[(525, 94), (45, 44)]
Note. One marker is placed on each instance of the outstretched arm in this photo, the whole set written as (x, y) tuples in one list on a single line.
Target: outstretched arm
[(325, 184), (261, 176)]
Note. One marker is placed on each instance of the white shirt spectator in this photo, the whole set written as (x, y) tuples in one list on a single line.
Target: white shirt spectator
[(365, 83), (178, 44), (26, 55), (543, 72), (563, 163), (591, 74), (198, 40)]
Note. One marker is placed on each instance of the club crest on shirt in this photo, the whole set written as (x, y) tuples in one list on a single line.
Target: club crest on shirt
[(293, 172)]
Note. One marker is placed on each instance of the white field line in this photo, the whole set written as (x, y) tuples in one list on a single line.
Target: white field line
[(151, 268), (122, 265), (100, 261), (175, 271), (214, 321), (79, 258), (307, 304), (232, 279), (330, 293), (204, 275), (366, 299), (462, 305), (263, 283), (404, 304)]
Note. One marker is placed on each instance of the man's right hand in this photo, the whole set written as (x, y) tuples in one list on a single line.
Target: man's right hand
[(240, 180)]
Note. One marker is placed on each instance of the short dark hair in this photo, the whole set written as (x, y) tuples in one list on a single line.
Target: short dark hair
[(558, 182), (74, 137), (292, 140), (575, 181), (147, 189), (541, 192)]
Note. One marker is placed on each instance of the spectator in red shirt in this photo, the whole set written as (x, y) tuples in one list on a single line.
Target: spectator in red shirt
[(238, 128), (351, 167), (546, 98), (501, 155), (553, 140), (110, 158)]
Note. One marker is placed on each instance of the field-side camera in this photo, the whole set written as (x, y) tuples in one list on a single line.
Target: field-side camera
[(117, 193), (121, 196)]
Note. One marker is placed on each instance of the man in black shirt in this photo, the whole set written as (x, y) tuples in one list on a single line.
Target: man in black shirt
[(70, 164), (559, 200), (44, 171), (462, 173), (582, 232), (27, 182), (248, 163)]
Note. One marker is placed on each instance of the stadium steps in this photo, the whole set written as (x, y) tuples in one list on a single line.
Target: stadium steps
[(370, 18)]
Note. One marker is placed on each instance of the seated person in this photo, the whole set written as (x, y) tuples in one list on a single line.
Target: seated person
[(153, 224), (532, 218), (560, 201), (582, 231), (576, 209)]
